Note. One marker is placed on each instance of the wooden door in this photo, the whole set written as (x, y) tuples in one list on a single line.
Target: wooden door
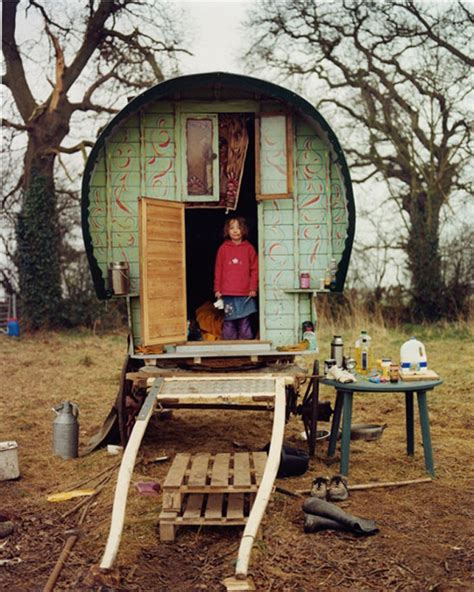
[(162, 272)]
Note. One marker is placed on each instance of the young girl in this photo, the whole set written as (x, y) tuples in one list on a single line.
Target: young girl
[(236, 279)]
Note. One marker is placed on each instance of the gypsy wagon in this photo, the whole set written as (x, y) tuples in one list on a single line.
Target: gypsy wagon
[(159, 183)]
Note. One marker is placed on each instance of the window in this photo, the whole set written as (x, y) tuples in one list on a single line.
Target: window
[(201, 166), (274, 156)]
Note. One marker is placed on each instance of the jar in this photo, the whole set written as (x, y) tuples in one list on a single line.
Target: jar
[(385, 367), (393, 372), (304, 281)]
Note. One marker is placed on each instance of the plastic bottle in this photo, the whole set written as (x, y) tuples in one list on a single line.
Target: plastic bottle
[(310, 337), (362, 352), (327, 279), (413, 356)]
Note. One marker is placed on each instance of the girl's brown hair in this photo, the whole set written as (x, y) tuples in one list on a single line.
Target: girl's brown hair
[(242, 225)]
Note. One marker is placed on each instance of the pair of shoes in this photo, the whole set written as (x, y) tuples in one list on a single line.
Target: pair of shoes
[(334, 489)]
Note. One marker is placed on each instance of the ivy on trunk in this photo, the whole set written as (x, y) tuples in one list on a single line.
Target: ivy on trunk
[(38, 242)]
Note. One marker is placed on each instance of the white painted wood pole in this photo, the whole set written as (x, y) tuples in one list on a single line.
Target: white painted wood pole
[(265, 490), (125, 475)]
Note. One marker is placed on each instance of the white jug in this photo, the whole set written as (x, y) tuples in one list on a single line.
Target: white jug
[(413, 356)]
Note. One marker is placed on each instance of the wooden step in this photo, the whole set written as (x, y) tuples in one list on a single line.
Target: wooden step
[(216, 347), (213, 490), (218, 509), (219, 473)]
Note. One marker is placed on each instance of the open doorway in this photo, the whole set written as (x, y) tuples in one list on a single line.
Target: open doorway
[(204, 235)]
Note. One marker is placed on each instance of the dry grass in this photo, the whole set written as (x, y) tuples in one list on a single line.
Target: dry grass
[(424, 539)]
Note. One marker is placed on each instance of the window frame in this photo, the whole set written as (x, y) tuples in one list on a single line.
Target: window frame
[(289, 130), (186, 197)]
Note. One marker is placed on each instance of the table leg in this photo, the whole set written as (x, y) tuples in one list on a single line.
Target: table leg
[(410, 424), (425, 432), (346, 433), (336, 420), (313, 429)]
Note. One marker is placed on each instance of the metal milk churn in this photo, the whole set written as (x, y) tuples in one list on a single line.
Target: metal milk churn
[(66, 430), (337, 350)]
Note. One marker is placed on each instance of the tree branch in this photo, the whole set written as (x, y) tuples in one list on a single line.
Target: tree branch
[(15, 78), (428, 30), (18, 126)]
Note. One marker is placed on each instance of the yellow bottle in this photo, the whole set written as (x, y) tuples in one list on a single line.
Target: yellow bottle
[(362, 353)]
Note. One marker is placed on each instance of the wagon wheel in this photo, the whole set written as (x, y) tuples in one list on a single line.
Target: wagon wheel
[(309, 408), (129, 399), (291, 400)]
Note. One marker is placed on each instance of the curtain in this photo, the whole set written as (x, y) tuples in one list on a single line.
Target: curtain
[(233, 144)]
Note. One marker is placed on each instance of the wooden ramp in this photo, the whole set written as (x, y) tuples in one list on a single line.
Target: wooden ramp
[(225, 487)]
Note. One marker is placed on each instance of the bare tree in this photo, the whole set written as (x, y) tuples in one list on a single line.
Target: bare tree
[(79, 60), (399, 74)]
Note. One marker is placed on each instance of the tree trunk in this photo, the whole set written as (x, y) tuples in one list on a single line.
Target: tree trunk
[(38, 247), (424, 259)]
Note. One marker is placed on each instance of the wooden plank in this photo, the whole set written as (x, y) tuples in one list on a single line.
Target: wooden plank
[(414, 376), (172, 501), (235, 506), (198, 472), (259, 462), (193, 506), (214, 506), (220, 470), (175, 476), (218, 346), (202, 521), (241, 469)]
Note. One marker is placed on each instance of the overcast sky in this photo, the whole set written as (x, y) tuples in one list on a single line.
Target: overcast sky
[(216, 35)]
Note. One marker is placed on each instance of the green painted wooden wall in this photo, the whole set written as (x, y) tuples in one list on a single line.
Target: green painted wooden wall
[(302, 234)]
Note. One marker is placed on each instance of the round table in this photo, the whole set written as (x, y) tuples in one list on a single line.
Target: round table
[(344, 396)]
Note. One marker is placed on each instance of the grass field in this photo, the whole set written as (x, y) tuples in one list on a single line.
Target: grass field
[(425, 538)]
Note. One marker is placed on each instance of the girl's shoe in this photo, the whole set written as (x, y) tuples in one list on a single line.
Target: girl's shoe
[(319, 488), (338, 490)]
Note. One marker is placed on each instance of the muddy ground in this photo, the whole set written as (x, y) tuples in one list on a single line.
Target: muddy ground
[(425, 537)]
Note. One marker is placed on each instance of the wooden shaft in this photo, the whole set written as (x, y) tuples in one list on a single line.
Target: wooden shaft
[(266, 486), (70, 542), (124, 478), (362, 486), (389, 484)]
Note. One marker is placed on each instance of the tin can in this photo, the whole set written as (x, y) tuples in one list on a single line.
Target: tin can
[(393, 372), (119, 277), (329, 364), (304, 281)]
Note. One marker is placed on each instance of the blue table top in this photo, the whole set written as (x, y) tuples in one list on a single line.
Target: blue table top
[(364, 385)]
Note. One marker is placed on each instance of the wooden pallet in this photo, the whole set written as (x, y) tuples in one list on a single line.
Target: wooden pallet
[(207, 489)]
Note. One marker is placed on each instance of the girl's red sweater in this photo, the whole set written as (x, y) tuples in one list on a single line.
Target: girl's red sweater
[(236, 269)]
